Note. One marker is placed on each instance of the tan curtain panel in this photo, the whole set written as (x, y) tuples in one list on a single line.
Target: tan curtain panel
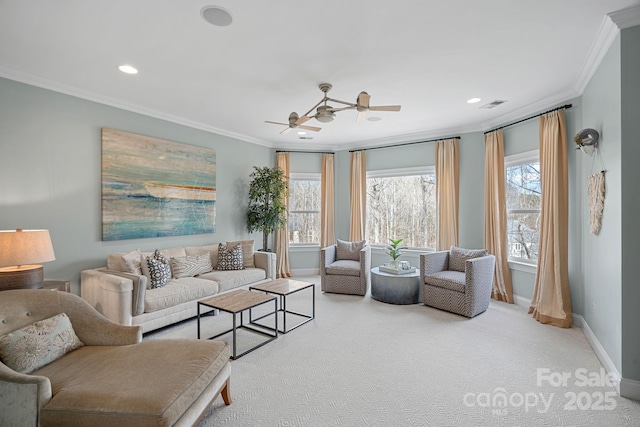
[(327, 211), (495, 215), (281, 238), (551, 301), (358, 186), (447, 192)]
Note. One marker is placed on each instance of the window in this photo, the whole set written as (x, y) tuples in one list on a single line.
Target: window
[(401, 204), (304, 209), (524, 195)]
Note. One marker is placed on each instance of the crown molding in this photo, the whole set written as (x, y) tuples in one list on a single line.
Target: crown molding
[(94, 97), (607, 33), (531, 109), (626, 18)]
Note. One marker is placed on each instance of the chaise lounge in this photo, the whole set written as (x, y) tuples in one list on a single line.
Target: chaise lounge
[(104, 377)]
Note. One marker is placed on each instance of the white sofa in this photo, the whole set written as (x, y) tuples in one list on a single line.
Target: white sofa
[(125, 298)]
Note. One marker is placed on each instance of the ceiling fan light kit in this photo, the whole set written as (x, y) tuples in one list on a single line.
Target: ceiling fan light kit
[(325, 113)]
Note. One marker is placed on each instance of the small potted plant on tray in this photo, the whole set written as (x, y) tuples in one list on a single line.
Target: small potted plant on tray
[(394, 250)]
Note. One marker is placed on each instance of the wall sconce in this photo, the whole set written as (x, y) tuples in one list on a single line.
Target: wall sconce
[(587, 140), (21, 251)]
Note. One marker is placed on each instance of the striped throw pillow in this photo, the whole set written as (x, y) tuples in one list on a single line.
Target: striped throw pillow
[(189, 266)]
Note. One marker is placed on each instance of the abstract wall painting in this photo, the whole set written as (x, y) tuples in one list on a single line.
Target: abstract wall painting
[(153, 187)]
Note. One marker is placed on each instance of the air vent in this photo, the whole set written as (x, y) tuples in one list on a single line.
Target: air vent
[(305, 137), (493, 104)]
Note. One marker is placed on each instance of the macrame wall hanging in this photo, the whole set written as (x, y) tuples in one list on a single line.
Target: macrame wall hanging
[(587, 141), (595, 194)]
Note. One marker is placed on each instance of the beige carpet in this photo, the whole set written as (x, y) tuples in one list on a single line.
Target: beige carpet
[(366, 363)]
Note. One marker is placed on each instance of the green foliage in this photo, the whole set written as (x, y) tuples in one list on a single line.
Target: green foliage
[(394, 250), (267, 211)]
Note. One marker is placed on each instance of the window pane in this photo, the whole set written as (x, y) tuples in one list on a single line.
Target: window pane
[(304, 211), (523, 231), (523, 188), (402, 207), (524, 196), (304, 227), (304, 195)]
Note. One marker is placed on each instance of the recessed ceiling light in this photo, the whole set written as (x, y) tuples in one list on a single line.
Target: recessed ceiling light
[(473, 100), (128, 69), (301, 132), (374, 119), (216, 15)]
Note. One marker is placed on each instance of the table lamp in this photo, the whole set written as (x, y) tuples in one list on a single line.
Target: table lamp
[(20, 253)]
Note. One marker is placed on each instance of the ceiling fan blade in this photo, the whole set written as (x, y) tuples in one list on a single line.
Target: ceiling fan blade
[(385, 108), (302, 120), (276, 123), (312, 128), (361, 115), (286, 131)]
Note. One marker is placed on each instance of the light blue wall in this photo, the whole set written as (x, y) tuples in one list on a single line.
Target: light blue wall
[(602, 254), (50, 174), (630, 154)]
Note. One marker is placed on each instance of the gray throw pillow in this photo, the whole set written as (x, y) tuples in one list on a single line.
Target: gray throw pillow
[(349, 250), (230, 259), (457, 257), (159, 270)]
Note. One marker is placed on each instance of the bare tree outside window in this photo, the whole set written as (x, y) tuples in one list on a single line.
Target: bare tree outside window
[(304, 211), (524, 195), (402, 207)]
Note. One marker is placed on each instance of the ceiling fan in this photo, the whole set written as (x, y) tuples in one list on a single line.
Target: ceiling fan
[(325, 113), (295, 122)]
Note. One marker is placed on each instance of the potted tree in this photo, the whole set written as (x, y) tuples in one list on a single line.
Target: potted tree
[(267, 210)]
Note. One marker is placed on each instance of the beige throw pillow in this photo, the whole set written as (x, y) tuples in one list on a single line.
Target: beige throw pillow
[(457, 257), (212, 250), (190, 266), (38, 344), (349, 250)]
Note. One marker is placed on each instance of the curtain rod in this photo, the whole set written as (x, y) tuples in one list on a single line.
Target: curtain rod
[(406, 143), (306, 152), (564, 107)]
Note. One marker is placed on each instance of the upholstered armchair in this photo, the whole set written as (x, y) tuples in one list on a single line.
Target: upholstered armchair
[(458, 280), (345, 268), (64, 364)]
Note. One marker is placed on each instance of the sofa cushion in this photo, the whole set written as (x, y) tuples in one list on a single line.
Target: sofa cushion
[(38, 344), (344, 267), (247, 251), (198, 250), (190, 265), (127, 263), (448, 279), (457, 257), (94, 394), (349, 250), (132, 262), (159, 270), (178, 291), (233, 278), (230, 258)]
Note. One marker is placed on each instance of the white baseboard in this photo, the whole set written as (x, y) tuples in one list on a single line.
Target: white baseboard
[(305, 272), (599, 350), (625, 387), (521, 301), (629, 389)]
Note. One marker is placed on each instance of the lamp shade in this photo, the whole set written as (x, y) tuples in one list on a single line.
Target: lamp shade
[(21, 247)]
